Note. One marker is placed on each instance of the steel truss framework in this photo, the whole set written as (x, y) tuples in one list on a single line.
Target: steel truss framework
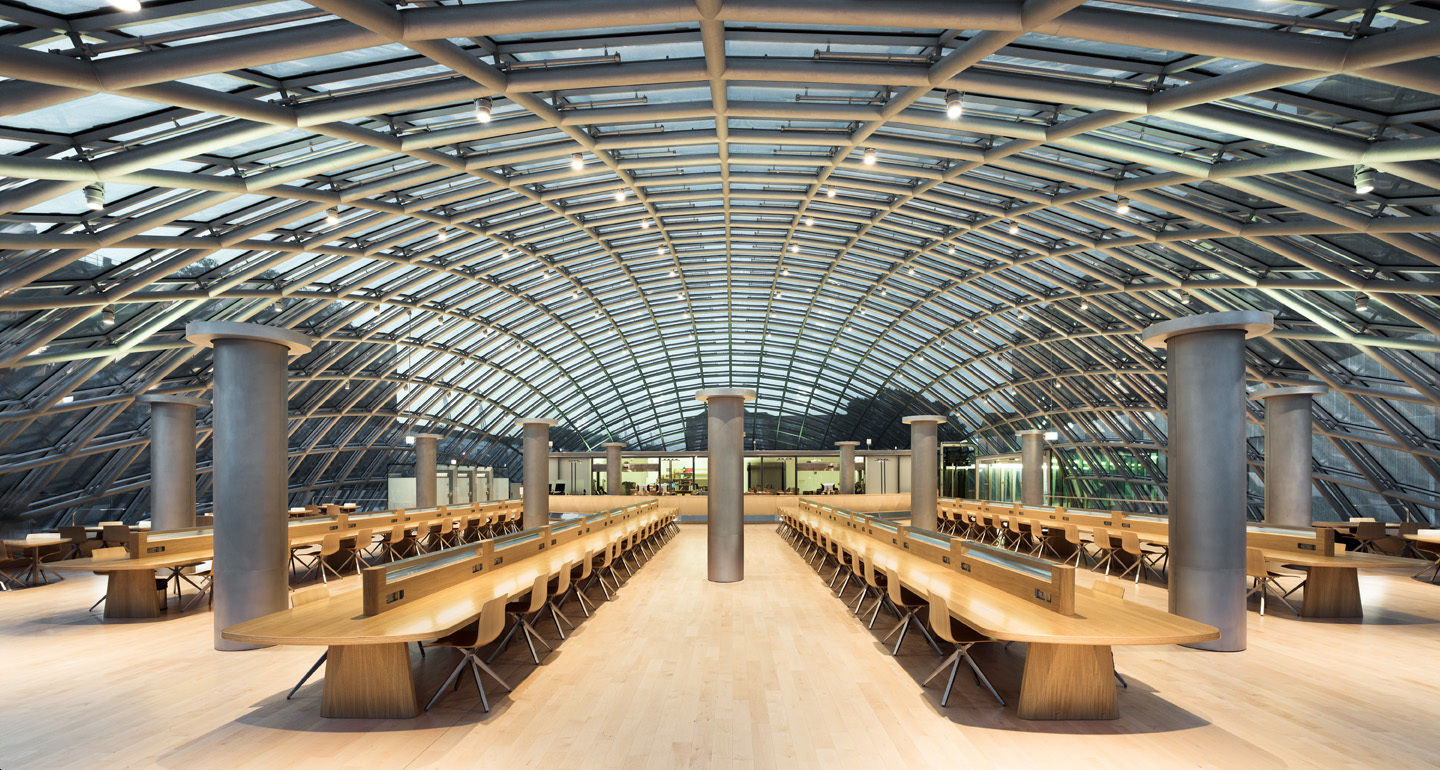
[(666, 196)]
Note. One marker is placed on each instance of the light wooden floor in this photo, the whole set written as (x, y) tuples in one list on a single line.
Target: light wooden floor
[(678, 672)]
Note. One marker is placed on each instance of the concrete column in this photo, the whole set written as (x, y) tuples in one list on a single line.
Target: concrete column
[(537, 470), (1032, 467), (613, 485), (847, 466), (924, 469), (1205, 377), (172, 459), (1288, 460), (452, 477), (725, 502), (252, 546), (426, 489), (474, 485)]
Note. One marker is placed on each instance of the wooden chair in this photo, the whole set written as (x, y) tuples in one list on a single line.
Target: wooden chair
[(319, 555), (80, 543), (205, 573), (560, 587), (1369, 534), (521, 612), (586, 565), (963, 638), (13, 566), (300, 597), (468, 641), (906, 605), (1145, 556), (1104, 542), (1429, 551), (1264, 580), (113, 534)]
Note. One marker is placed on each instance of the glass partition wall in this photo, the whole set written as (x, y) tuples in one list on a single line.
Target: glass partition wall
[(686, 474)]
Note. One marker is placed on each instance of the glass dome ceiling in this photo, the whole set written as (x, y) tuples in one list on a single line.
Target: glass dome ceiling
[(590, 210)]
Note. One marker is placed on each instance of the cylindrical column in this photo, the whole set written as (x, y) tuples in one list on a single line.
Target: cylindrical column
[(1205, 377), (172, 459), (847, 466), (1288, 463), (426, 485), (1032, 467), (924, 469), (252, 546), (536, 450), (725, 501), (613, 485)]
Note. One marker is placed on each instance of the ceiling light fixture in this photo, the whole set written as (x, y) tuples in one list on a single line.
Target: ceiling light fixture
[(954, 105), (620, 196), (577, 161), (1364, 179), (912, 271), (794, 248), (830, 192), (95, 196), (107, 316), (332, 216), (482, 109), (869, 157), (644, 224), (1362, 302), (129, 6), (809, 221), (1014, 228), (1084, 304), (1122, 205)]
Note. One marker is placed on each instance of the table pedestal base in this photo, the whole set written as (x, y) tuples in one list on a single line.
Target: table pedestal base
[(369, 681), (1068, 681), (1332, 592), (131, 594)]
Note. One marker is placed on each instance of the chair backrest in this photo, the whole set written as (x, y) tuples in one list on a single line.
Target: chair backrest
[(1111, 590), (114, 533), (870, 573), (1370, 530), (1101, 536), (1406, 528), (113, 552), (330, 544), (112, 523), (1255, 563), (1130, 543), (538, 593), (587, 564), (309, 594), (492, 621), (940, 617), (892, 586), (75, 535), (1072, 534), (562, 581)]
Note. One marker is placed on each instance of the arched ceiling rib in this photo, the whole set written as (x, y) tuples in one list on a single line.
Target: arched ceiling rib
[(768, 194)]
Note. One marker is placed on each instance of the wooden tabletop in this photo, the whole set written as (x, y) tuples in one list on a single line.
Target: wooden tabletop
[(339, 620), (23, 543), (1421, 537), (1344, 560), (997, 614), (126, 564)]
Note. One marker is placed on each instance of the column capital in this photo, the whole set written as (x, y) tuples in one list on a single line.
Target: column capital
[(1254, 323), (614, 445), (521, 422), (431, 436), (847, 443), (169, 398), (1031, 432), (205, 334), (1306, 389), (747, 394), (922, 418)]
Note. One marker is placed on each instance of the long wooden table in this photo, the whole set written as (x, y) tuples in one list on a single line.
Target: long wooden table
[(1069, 665), (130, 590), (1332, 588), (367, 667), (32, 549)]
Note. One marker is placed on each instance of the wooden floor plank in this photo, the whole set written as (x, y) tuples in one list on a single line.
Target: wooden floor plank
[(772, 672)]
